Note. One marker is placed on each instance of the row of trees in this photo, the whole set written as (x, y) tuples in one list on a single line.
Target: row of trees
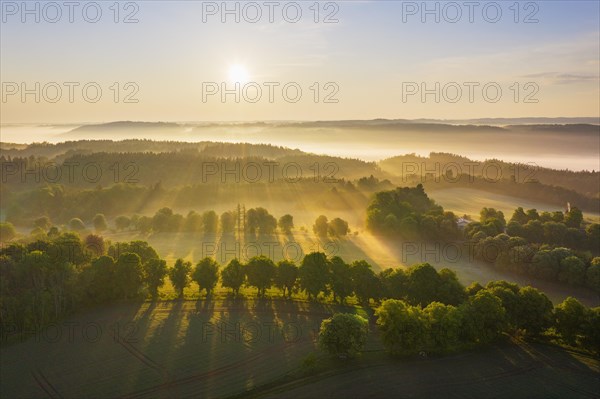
[(336, 227), (418, 308), (258, 221), (318, 275), (64, 273), (484, 317)]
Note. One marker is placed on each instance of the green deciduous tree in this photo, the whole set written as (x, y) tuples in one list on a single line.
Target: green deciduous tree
[(519, 216), (344, 334), (591, 331), (180, 275), (423, 282), (572, 271), (337, 228), (592, 275), (570, 318), (403, 327), (533, 312), (574, 217), (509, 295), (554, 233), (321, 226), (128, 275), (484, 317), (100, 223), (394, 283), (233, 276), (155, 271), (286, 223), (341, 279), (193, 222), (101, 284), (142, 248), (450, 291), (473, 288), (592, 233), (286, 276), (261, 272), (366, 284), (313, 274), (227, 222), (68, 247), (206, 275), (260, 221), (444, 323), (93, 245), (210, 222), (164, 220), (488, 215)]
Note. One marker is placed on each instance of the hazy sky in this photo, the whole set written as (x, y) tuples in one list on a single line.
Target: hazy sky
[(373, 54)]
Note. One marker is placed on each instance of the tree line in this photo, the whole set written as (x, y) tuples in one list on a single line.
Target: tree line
[(215, 164), (485, 315), (556, 186), (554, 246), (258, 222), (419, 308)]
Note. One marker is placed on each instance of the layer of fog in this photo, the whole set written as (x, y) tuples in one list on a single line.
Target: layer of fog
[(559, 150)]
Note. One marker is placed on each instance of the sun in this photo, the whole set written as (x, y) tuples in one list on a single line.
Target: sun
[(238, 74)]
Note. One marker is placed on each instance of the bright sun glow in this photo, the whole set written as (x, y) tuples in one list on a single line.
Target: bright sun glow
[(238, 73)]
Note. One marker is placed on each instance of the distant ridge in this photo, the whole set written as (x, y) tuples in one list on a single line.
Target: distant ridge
[(482, 123), (126, 125)]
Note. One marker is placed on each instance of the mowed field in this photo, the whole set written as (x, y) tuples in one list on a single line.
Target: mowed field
[(225, 348)]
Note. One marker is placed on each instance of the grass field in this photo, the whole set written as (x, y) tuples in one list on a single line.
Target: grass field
[(469, 201), (227, 348)]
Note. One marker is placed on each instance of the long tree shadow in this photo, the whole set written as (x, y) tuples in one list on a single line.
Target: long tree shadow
[(232, 345), (79, 347), (162, 331)]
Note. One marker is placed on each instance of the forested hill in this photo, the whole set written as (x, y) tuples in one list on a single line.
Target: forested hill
[(442, 164), (172, 164), (175, 163), (216, 149)]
